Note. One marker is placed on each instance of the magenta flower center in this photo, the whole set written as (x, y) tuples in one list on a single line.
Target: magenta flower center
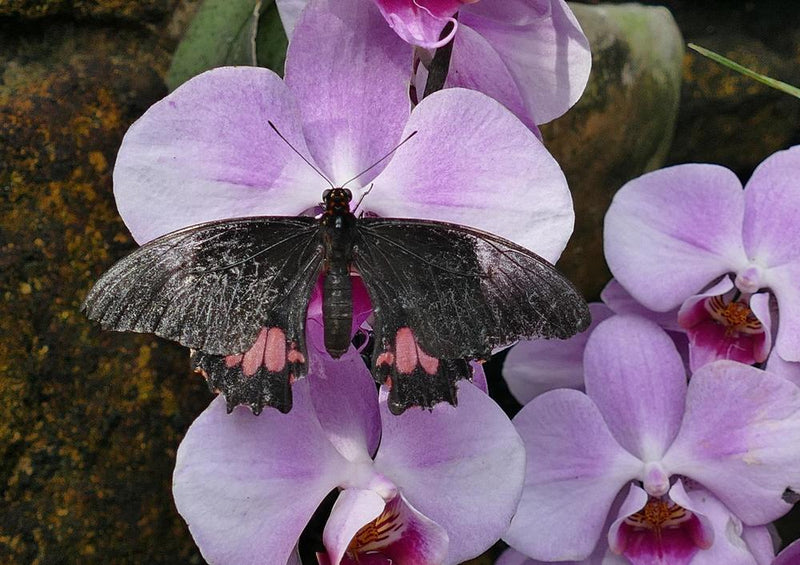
[(735, 316), (657, 515), (661, 532)]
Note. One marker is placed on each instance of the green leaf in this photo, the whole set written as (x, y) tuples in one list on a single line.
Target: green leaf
[(271, 41), (224, 32), (776, 84)]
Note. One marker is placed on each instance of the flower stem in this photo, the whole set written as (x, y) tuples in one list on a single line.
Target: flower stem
[(440, 65)]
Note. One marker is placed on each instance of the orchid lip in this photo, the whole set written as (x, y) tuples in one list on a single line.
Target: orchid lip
[(657, 514), (380, 533), (396, 533), (663, 529), (735, 315), (725, 326)]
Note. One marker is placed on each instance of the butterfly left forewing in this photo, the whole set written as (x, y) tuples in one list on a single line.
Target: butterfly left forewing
[(444, 294), (235, 291)]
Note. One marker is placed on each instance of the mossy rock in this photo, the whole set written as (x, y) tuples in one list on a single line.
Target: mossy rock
[(89, 421), (133, 10), (621, 127)]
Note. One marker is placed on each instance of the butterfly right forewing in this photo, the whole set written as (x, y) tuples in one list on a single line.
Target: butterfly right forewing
[(465, 291), (443, 294)]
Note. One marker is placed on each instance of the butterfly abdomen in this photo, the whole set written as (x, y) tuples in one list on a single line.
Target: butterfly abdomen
[(338, 233), (337, 312)]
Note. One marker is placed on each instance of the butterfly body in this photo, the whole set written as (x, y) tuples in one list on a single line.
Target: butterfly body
[(338, 233), (237, 292)]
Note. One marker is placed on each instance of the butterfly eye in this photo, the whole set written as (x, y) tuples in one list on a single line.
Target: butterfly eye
[(326, 194), (348, 194)]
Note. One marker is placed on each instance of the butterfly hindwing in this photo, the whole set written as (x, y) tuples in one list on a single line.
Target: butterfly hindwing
[(235, 291), (443, 294), (261, 376), (415, 377)]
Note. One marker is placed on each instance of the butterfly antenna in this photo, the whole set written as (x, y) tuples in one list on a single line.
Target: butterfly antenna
[(376, 163), (292, 147)]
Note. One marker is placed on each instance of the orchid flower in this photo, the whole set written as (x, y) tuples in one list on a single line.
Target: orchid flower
[(533, 367), (530, 55), (694, 225), (207, 152), (408, 485), (733, 432), (536, 366), (733, 543)]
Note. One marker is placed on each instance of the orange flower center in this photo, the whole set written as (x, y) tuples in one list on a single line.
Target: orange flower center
[(658, 514), (737, 317), (379, 533)]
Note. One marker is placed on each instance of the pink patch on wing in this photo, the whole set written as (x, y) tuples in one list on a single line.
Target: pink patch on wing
[(430, 364), (275, 350), (405, 347), (232, 360), (661, 533), (270, 351), (385, 358), (294, 355), (255, 355), (408, 354)]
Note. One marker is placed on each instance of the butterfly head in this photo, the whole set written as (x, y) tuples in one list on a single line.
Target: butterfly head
[(337, 200)]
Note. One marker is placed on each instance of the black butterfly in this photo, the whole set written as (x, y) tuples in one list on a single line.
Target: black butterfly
[(236, 292)]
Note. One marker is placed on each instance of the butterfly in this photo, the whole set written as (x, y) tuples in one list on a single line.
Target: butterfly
[(236, 292)]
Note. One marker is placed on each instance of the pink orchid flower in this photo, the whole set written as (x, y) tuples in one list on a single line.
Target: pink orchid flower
[(408, 485), (695, 227), (641, 433), (530, 55)]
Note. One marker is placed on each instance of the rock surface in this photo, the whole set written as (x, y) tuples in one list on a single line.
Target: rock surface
[(89, 421), (727, 118), (133, 10), (621, 127)]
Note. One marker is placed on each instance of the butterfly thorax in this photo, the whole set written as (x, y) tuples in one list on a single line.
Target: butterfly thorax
[(337, 233)]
